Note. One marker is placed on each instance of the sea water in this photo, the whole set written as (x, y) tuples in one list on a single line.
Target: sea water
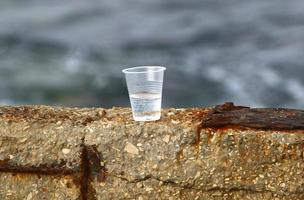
[(146, 106)]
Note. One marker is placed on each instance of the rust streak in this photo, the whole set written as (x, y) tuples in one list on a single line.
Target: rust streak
[(240, 117), (85, 173), (196, 143), (97, 170), (91, 169), (54, 169)]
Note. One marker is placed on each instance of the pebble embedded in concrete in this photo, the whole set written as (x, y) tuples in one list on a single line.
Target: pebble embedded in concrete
[(66, 151), (130, 148)]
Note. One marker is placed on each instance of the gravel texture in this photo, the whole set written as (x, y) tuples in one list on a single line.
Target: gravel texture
[(37, 187)]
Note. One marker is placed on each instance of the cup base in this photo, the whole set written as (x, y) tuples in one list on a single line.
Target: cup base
[(146, 118)]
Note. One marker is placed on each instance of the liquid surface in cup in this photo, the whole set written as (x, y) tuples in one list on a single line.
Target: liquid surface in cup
[(146, 106)]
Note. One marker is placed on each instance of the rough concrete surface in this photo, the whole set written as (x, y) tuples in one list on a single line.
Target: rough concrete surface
[(188, 154), (37, 187)]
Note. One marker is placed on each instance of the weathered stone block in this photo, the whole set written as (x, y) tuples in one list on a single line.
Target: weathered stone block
[(223, 153)]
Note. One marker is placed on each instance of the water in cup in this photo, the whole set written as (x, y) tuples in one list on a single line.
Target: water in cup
[(145, 85), (146, 106)]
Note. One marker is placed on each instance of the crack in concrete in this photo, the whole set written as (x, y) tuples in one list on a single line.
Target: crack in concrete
[(212, 189)]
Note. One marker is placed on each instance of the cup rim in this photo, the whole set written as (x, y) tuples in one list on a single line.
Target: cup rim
[(154, 69)]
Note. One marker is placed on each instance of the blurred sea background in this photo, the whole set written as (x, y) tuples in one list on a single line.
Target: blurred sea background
[(71, 53)]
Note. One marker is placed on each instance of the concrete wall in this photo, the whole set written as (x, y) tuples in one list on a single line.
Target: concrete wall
[(223, 153)]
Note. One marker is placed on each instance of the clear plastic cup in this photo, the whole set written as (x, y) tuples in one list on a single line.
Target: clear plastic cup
[(145, 84)]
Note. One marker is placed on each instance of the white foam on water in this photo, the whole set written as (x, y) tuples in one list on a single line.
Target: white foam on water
[(7, 102), (234, 83), (296, 90)]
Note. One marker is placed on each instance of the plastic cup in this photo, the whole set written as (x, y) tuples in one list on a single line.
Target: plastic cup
[(145, 84)]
